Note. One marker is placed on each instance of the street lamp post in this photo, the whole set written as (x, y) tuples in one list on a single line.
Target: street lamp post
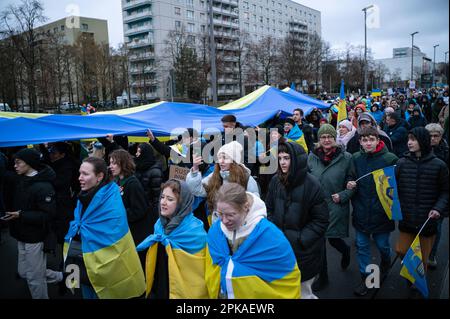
[(365, 47), (434, 64), (412, 53), (446, 67)]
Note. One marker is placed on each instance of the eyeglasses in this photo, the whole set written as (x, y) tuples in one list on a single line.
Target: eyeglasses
[(435, 135), (327, 137)]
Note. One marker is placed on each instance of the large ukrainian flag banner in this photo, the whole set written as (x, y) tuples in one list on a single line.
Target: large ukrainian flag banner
[(296, 135), (413, 268), (263, 267), (386, 186), (342, 113), (109, 253), (186, 250)]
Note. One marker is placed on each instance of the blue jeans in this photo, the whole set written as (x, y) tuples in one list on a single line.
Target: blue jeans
[(363, 248)]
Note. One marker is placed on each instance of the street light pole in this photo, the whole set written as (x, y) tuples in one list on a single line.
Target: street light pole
[(434, 64), (446, 67), (213, 55), (412, 53), (365, 47)]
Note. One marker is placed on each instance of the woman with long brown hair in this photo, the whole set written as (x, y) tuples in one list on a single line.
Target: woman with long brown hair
[(228, 169)]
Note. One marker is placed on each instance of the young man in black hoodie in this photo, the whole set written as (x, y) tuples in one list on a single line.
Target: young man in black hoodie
[(422, 181), (34, 205)]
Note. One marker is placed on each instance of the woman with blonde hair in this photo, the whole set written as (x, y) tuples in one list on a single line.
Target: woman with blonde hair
[(228, 168)]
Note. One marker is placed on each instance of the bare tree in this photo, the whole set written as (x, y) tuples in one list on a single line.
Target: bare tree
[(19, 22), (263, 56)]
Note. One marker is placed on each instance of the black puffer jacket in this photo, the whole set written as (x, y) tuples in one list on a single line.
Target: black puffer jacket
[(422, 186), (441, 151), (138, 210), (35, 196), (149, 173), (301, 212)]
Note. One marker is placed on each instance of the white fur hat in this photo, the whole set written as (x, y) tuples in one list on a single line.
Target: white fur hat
[(232, 150)]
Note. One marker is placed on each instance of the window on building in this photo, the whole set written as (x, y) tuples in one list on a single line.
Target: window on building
[(246, 26), (191, 27), (254, 28), (62, 28), (190, 3), (191, 39), (203, 28), (202, 16), (84, 27), (254, 8), (177, 25), (246, 15), (177, 11), (190, 14), (202, 3)]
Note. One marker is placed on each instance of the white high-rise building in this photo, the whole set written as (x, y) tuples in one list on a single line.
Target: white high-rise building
[(147, 24)]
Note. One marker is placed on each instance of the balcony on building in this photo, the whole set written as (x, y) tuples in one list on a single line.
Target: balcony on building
[(137, 16), (145, 28), (141, 56), (140, 43), (131, 4)]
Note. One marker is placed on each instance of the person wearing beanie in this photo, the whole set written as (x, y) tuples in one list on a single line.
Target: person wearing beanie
[(333, 167), (423, 190), (293, 133), (229, 167), (368, 217), (345, 132), (417, 119), (365, 120), (34, 207)]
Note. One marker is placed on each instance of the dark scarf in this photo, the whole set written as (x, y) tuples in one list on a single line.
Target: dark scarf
[(328, 157)]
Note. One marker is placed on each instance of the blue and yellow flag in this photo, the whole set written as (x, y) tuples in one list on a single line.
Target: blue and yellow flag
[(296, 135), (342, 113), (186, 250), (413, 268), (386, 186), (109, 253), (263, 267)]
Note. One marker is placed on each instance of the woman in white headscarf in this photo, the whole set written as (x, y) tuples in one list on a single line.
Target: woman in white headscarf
[(345, 132)]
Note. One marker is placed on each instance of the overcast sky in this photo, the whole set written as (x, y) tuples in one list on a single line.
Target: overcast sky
[(342, 22)]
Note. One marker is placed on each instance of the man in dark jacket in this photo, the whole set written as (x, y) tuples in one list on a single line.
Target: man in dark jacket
[(438, 143), (366, 120), (422, 181), (296, 204), (305, 127), (369, 217), (397, 133), (34, 205)]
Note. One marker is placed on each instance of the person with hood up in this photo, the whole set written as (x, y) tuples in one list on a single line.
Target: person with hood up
[(366, 120), (369, 218), (359, 109), (296, 204), (426, 108), (249, 257), (292, 133), (417, 119), (397, 133), (334, 168), (345, 132), (411, 105), (149, 173), (423, 190), (34, 209), (376, 112), (228, 168), (175, 264)]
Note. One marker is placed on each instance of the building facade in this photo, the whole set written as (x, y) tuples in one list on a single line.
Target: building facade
[(147, 24)]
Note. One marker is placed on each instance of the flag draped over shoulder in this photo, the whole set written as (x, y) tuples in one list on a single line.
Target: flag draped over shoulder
[(342, 113), (413, 268), (109, 252), (186, 249), (386, 186), (263, 267), (296, 135)]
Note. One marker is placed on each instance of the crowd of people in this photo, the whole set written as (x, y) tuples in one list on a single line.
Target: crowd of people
[(234, 228)]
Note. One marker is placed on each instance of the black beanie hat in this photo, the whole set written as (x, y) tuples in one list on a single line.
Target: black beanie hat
[(423, 137), (30, 156), (279, 128), (289, 120)]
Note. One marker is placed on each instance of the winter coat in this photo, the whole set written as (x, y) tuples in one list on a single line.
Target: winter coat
[(300, 211), (368, 214), (353, 145), (149, 173), (308, 133), (399, 137), (417, 121), (137, 207), (35, 197), (334, 178), (422, 186), (441, 151), (443, 114)]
